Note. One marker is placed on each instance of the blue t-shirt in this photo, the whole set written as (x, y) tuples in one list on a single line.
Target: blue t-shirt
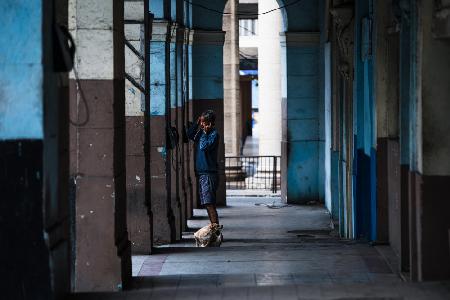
[(206, 145)]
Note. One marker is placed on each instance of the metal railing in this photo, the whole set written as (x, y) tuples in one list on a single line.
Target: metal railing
[(253, 173)]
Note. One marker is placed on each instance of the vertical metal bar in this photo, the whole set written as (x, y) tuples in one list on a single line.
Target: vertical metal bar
[(260, 170), (249, 179), (226, 173), (274, 173), (241, 164), (248, 172), (253, 171), (268, 174), (167, 117), (238, 183), (148, 20), (227, 181), (255, 164), (229, 171), (266, 171), (244, 163)]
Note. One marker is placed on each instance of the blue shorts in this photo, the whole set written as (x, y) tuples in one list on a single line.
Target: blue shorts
[(207, 184)]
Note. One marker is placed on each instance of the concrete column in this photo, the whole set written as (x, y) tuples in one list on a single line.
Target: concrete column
[(364, 197), (173, 119), (430, 163), (34, 213), (164, 230), (190, 165), (301, 138), (269, 78), (407, 64), (343, 106), (207, 88), (138, 219), (180, 122), (56, 156), (102, 249), (386, 84), (232, 101)]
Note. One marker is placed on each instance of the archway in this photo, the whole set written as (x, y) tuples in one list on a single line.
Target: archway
[(253, 93)]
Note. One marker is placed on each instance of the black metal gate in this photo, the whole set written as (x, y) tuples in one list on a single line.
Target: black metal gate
[(253, 173)]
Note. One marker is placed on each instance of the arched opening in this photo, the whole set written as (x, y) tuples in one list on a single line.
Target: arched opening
[(253, 93)]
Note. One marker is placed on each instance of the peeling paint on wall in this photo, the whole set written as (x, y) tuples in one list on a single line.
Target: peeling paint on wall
[(157, 79)]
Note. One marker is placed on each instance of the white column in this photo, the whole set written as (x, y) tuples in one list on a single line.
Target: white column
[(269, 75), (231, 94)]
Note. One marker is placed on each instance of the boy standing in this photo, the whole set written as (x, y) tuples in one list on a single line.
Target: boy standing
[(206, 139)]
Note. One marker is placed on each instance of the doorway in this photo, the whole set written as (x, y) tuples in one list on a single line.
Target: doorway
[(253, 168)]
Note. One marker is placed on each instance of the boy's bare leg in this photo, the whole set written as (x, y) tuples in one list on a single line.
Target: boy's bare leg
[(212, 213)]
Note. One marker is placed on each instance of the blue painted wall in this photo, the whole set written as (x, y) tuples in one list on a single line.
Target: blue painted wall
[(327, 127), (191, 94), (303, 16), (187, 14), (180, 59), (21, 72), (303, 135), (173, 75), (157, 78), (323, 151), (173, 10), (207, 71), (305, 108), (207, 59), (207, 19), (157, 8)]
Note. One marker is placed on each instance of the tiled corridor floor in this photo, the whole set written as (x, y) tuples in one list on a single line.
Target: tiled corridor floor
[(271, 253), (264, 246)]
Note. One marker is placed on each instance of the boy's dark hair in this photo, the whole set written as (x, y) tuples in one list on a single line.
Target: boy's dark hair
[(209, 116)]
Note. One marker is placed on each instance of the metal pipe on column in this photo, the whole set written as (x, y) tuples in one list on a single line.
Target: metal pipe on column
[(148, 20)]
